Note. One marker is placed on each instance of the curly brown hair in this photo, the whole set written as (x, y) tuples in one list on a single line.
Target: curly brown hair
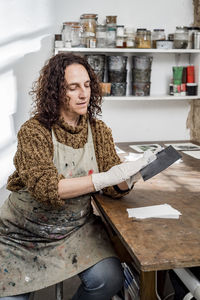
[(49, 91)]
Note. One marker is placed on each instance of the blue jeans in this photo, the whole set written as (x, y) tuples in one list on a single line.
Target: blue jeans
[(100, 282)]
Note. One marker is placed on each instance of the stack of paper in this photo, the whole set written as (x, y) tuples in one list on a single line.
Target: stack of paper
[(154, 211)]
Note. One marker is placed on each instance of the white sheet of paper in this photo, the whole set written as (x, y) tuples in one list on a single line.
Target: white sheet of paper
[(118, 150), (143, 147), (154, 211), (184, 146), (195, 154)]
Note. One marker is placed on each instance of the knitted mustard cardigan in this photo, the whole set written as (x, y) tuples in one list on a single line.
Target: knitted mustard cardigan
[(34, 157)]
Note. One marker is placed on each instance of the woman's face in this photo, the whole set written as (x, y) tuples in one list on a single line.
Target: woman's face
[(78, 89)]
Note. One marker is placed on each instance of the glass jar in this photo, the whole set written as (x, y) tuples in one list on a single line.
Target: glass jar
[(181, 37), (120, 30), (88, 24), (76, 35), (130, 37), (67, 33), (191, 33), (143, 38), (111, 19), (157, 34), (101, 36), (58, 42), (121, 41), (111, 35)]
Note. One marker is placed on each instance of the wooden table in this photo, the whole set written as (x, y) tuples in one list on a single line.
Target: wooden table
[(159, 244)]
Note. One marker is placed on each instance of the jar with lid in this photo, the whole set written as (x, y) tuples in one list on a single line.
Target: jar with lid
[(88, 23), (157, 34), (192, 31), (111, 20), (120, 30), (181, 37), (76, 35), (58, 41), (111, 35), (101, 36), (143, 38), (121, 41), (67, 33), (130, 37)]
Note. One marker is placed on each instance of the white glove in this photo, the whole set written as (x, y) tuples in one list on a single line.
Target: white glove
[(122, 172)]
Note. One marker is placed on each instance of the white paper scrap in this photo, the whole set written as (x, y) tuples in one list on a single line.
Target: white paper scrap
[(118, 150), (154, 211), (132, 156), (184, 146), (195, 154)]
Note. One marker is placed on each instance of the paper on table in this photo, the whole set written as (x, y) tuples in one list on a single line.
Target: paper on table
[(184, 146), (118, 150), (154, 211), (195, 154), (144, 147), (132, 156)]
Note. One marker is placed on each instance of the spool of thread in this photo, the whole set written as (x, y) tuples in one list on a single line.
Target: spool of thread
[(190, 74)]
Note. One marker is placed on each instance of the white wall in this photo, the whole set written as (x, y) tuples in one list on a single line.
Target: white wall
[(26, 29), (140, 121)]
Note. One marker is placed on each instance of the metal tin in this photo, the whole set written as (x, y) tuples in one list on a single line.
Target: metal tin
[(196, 40)]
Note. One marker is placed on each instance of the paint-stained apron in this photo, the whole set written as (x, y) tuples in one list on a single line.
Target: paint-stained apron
[(40, 246)]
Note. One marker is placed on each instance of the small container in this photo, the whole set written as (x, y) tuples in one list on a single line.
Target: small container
[(130, 37), (143, 38), (190, 74), (76, 35), (67, 33), (163, 44), (117, 76), (141, 89), (111, 19), (117, 63), (171, 89), (141, 75), (171, 37), (120, 30), (191, 37), (118, 88), (101, 36), (88, 23), (181, 37), (121, 42), (111, 36), (196, 40), (191, 89), (58, 41), (91, 42), (142, 62), (158, 35)]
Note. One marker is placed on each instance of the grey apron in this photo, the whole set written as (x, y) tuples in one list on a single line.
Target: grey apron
[(40, 246)]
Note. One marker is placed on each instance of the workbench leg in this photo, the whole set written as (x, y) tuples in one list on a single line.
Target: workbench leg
[(147, 286)]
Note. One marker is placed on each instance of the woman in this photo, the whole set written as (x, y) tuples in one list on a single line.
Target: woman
[(48, 231)]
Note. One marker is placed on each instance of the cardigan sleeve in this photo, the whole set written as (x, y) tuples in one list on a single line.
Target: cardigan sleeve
[(34, 163), (106, 155)]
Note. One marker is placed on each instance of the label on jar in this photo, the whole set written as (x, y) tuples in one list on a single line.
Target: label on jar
[(119, 42), (129, 43)]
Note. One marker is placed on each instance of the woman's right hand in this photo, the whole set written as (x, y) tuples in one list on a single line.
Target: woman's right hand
[(121, 172)]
